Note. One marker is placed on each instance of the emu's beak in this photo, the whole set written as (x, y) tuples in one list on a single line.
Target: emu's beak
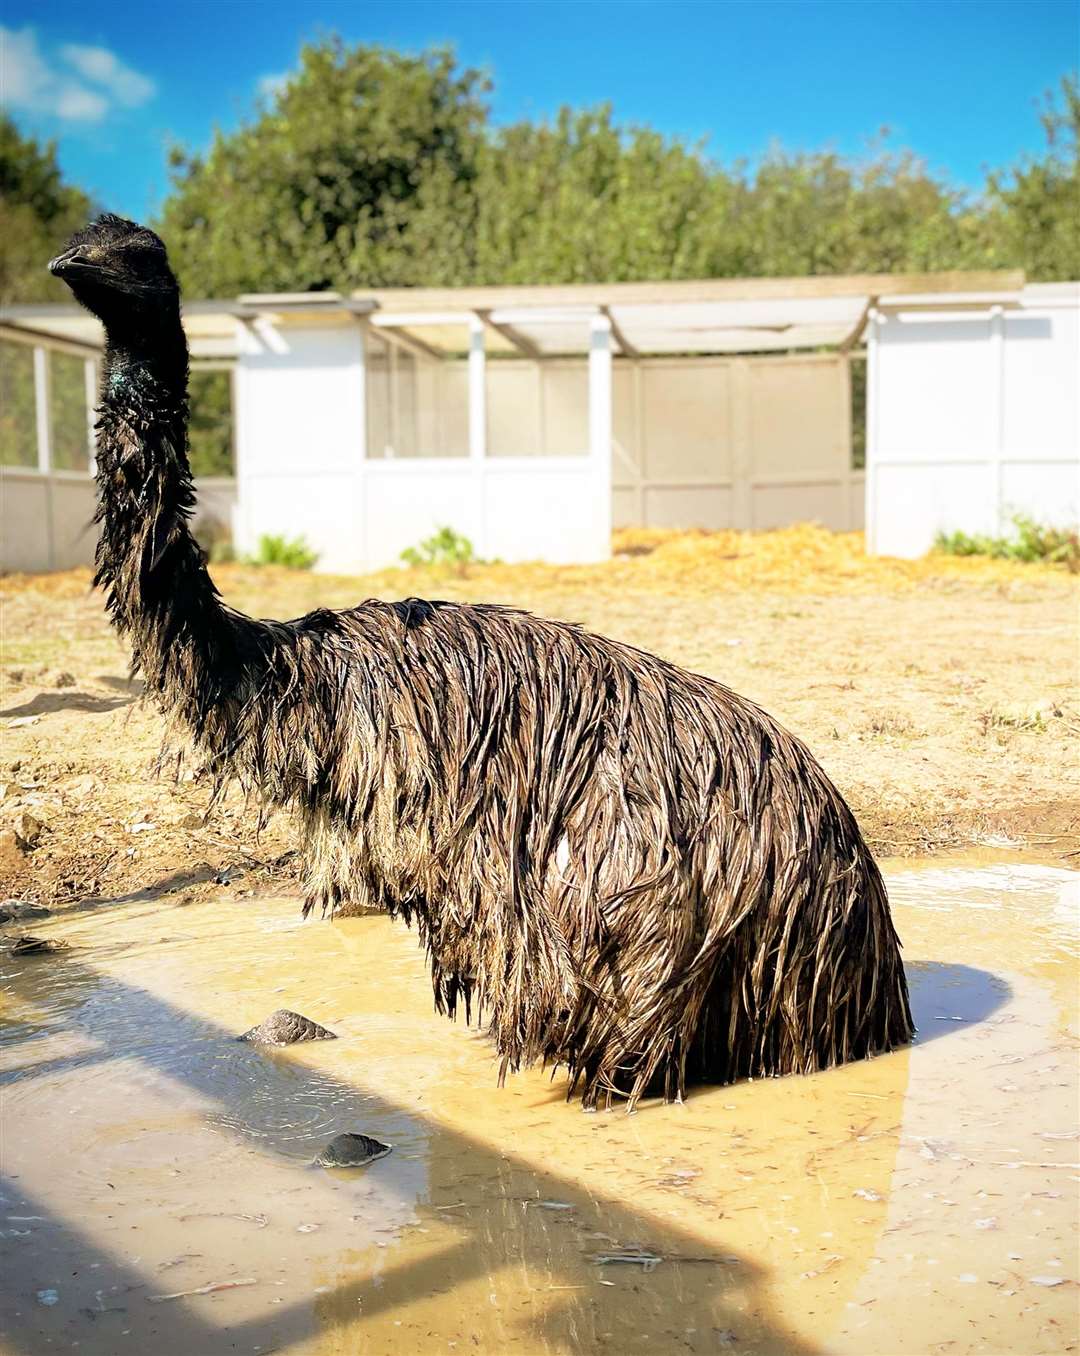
[(72, 262)]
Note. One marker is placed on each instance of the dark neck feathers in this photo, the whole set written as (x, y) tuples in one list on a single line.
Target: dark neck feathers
[(159, 593)]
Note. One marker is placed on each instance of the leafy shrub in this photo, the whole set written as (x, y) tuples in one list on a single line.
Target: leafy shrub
[(1028, 541), (444, 548), (292, 552)]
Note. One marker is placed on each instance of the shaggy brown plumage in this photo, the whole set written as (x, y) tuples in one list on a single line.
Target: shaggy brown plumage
[(630, 870)]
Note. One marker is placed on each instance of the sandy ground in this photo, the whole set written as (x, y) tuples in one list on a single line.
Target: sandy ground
[(941, 695)]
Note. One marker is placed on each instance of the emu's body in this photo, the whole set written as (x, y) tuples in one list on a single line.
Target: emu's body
[(631, 869)]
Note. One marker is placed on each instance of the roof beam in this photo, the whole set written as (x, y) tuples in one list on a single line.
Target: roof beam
[(524, 345), (403, 339), (847, 344), (546, 296), (626, 347)]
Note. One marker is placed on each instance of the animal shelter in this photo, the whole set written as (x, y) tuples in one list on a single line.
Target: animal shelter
[(533, 420)]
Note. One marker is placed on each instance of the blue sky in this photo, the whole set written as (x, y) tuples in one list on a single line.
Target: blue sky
[(957, 81)]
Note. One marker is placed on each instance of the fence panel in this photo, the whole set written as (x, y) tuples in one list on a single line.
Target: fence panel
[(745, 442)]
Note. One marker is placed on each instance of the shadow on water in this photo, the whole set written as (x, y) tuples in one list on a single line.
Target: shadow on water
[(249, 1092), (945, 996), (287, 1110)]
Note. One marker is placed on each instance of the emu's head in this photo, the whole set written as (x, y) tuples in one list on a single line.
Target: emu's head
[(119, 270)]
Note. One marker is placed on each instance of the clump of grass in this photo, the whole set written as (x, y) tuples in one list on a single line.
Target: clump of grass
[(1031, 718), (292, 552), (1028, 541), (444, 547), (896, 726)]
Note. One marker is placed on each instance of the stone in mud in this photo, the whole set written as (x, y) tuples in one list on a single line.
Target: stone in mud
[(351, 1151), (286, 1028), (19, 910), (12, 857), (28, 829)]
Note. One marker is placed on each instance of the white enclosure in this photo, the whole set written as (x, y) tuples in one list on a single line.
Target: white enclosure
[(973, 416), (530, 420), (315, 458)]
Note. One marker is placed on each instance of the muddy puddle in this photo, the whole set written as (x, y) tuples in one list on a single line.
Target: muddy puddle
[(922, 1202)]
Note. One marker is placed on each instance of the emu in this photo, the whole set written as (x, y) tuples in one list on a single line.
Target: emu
[(632, 871)]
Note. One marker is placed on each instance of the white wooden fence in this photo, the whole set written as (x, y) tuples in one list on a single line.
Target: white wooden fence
[(302, 432), (974, 417)]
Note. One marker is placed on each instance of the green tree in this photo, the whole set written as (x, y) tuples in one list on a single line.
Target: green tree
[(38, 212), (357, 172), (1035, 207), (582, 199), (817, 213)]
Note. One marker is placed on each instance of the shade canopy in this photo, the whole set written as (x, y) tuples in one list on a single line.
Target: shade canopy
[(714, 316)]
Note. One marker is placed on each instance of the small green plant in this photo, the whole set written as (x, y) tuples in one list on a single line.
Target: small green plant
[(292, 552), (222, 553), (444, 548), (1028, 541)]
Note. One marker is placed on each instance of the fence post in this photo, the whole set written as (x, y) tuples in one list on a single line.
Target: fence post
[(997, 396), (743, 459), (478, 424), (875, 320), (44, 444), (91, 388), (600, 425)]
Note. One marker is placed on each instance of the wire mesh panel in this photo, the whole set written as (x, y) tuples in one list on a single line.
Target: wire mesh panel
[(18, 427), (210, 428), (69, 428), (537, 408), (417, 402)]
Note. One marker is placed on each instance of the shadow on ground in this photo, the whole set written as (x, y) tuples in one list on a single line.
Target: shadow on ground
[(47, 703)]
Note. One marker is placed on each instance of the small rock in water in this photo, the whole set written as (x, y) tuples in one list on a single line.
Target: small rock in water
[(19, 910), (286, 1028), (351, 1151), (32, 946)]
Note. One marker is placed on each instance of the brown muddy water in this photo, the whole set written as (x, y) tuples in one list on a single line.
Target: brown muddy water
[(923, 1202)]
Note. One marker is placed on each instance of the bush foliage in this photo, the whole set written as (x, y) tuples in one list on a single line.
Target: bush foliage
[(1028, 541), (444, 547), (292, 552)]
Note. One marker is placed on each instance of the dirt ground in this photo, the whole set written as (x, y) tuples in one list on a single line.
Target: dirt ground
[(941, 695)]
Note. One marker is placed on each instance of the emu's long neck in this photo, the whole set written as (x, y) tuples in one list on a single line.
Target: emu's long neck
[(159, 593)]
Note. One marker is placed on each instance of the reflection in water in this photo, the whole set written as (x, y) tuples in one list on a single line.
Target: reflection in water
[(149, 1152)]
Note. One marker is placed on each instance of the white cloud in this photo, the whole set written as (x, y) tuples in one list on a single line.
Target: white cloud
[(102, 67), (268, 86), (97, 82)]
